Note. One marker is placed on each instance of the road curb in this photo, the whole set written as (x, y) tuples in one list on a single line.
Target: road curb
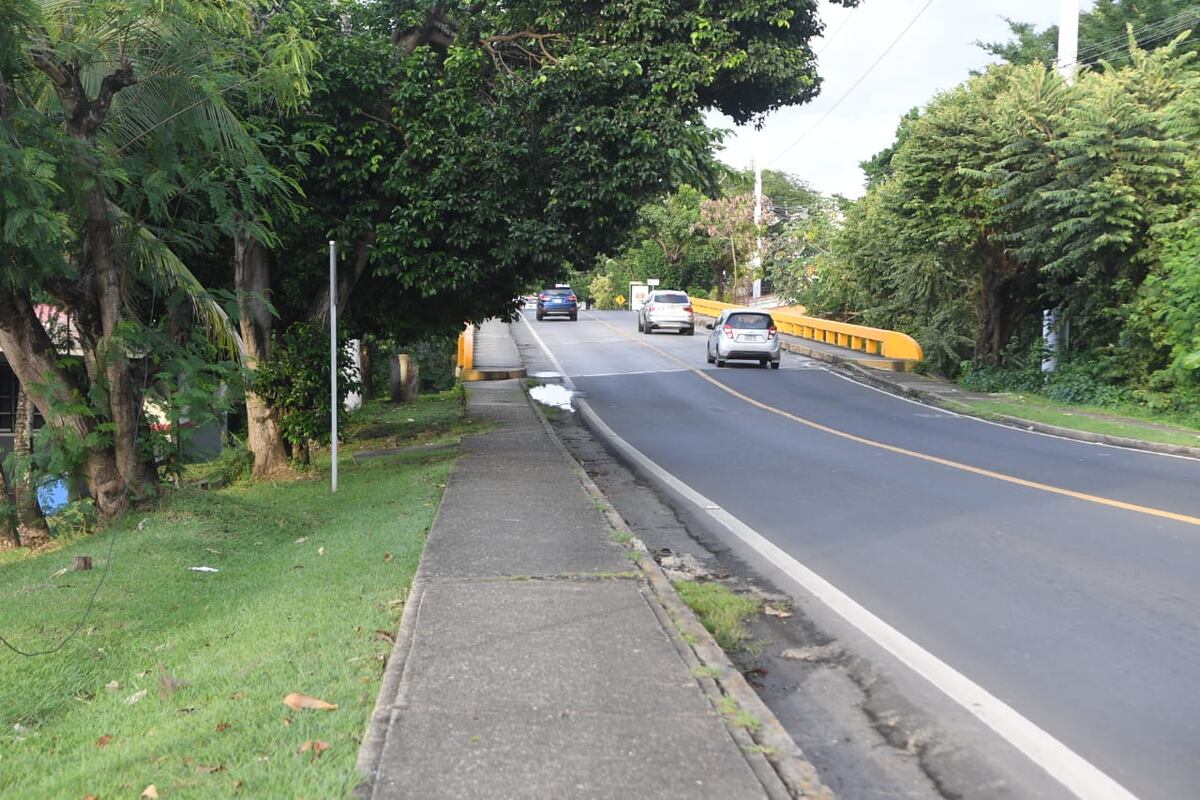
[(769, 748), (370, 752), (930, 398)]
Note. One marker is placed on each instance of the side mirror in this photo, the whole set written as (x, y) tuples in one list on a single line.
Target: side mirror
[(708, 325)]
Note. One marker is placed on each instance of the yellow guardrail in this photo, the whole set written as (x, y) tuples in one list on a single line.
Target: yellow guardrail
[(875, 341)]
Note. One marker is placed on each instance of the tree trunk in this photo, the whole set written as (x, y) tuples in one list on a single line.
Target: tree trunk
[(8, 521), (124, 398), (252, 278), (31, 524), (33, 359)]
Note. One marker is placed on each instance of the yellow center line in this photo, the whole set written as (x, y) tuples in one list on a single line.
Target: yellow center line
[(891, 448)]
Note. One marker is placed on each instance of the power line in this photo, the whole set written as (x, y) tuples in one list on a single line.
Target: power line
[(836, 31), (854, 86), (1095, 53)]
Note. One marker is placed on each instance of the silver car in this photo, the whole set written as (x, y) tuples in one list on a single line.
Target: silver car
[(743, 334), (669, 309)]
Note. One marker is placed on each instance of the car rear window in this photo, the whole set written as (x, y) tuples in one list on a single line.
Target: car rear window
[(562, 292), (671, 297), (753, 322)]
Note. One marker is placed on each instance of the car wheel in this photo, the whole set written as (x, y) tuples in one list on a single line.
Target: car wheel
[(708, 355), (720, 361), (689, 332), (574, 316), (774, 365), (640, 329)]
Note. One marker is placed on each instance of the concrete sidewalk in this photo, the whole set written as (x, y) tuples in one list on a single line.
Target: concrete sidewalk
[(535, 658)]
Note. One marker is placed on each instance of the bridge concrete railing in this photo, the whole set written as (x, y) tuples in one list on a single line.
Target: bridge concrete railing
[(872, 341)]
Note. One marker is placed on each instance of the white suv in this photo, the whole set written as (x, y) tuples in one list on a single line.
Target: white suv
[(669, 309)]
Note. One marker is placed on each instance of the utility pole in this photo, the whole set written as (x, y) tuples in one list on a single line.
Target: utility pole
[(758, 216), (1068, 50)]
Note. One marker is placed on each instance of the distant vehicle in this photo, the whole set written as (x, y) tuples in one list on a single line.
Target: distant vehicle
[(669, 309), (560, 300), (743, 334), (530, 301)]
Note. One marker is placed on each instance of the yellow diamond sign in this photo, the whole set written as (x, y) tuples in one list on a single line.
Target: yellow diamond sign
[(620, 299)]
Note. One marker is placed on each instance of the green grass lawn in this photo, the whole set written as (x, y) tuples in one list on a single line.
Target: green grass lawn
[(1123, 422), (309, 590)]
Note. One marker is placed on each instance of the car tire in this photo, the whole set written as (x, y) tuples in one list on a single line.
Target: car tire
[(720, 361), (708, 355), (574, 316), (689, 332), (763, 363), (641, 329), (774, 365)]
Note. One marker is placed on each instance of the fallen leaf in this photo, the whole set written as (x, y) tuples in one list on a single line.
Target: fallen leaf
[(205, 770), (150, 792), (382, 634), (238, 696), (298, 701), (113, 686), (90, 797), (316, 747), (141, 674), (222, 727), (104, 740), (320, 551), (387, 556), (782, 613), (136, 697), (287, 721), (237, 785)]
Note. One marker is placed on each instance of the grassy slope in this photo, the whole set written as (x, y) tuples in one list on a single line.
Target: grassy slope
[(280, 616), (1114, 422)]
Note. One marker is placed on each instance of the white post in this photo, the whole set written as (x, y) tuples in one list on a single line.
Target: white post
[(1068, 38), (333, 354), (1068, 53), (758, 216)]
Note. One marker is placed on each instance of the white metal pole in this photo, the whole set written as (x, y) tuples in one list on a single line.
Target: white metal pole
[(1068, 54), (333, 393), (758, 216)]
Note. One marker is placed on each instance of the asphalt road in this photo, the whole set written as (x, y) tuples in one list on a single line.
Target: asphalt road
[(1060, 576)]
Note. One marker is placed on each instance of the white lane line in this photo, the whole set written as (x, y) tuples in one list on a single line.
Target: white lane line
[(1079, 775)]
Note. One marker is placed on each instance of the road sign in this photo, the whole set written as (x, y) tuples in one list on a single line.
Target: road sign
[(620, 299), (652, 281)]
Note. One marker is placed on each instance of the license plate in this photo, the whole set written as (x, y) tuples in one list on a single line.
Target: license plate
[(749, 337)]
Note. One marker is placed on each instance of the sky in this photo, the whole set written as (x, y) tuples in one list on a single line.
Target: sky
[(934, 55)]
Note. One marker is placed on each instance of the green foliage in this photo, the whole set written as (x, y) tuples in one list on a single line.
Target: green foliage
[(295, 381), (602, 291), (722, 612), (570, 131)]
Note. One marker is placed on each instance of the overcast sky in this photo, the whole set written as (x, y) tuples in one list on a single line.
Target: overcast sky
[(934, 55)]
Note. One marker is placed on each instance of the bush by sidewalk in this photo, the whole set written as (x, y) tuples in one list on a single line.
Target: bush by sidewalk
[(177, 679)]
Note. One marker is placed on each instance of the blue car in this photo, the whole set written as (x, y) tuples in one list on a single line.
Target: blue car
[(560, 300)]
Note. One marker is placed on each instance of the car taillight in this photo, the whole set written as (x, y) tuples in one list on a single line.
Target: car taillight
[(543, 297), (728, 329), (650, 308), (687, 309), (771, 332), (571, 298)]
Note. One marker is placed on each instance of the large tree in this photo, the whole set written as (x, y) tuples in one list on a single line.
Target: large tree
[(464, 150), (113, 121)]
